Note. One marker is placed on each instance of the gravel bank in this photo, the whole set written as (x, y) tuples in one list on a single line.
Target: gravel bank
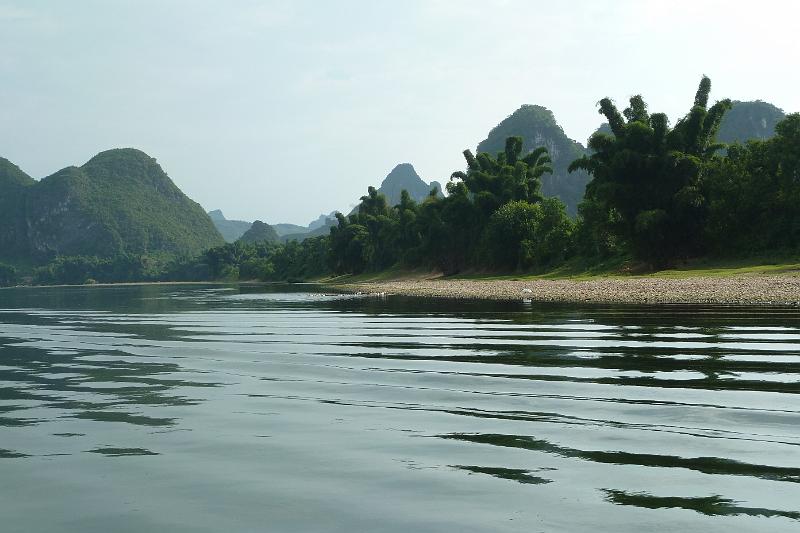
[(759, 290)]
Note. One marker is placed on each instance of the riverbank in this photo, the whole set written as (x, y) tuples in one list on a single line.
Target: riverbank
[(778, 289)]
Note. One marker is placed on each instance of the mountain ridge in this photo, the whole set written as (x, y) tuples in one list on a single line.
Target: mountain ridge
[(119, 202), (404, 177)]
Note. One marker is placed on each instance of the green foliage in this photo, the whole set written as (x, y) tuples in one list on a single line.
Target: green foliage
[(8, 275), (647, 177), (268, 261), (521, 235), (76, 270), (595, 235), (754, 194), (493, 217), (494, 181)]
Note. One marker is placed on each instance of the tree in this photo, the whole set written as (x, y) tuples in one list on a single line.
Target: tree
[(408, 235), (8, 275), (754, 194), (494, 181), (648, 177), (521, 235)]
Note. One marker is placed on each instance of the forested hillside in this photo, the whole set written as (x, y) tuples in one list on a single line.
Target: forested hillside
[(120, 204), (13, 226)]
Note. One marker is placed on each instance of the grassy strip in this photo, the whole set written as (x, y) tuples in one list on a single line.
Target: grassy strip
[(618, 267)]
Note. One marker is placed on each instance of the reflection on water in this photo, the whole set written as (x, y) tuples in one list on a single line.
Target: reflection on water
[(191, 408), (121, 452), (515, 474), (712, 505)]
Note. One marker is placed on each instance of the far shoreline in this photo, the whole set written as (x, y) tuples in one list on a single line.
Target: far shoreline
[(144, 283), (776, 290)]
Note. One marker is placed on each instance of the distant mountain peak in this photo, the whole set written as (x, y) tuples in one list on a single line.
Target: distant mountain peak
[(117, 153), (404, 177), (259, 232), (749, 120), (216, 214), (537, 126), (12, 174)]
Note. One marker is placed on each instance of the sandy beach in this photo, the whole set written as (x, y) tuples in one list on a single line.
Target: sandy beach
[(743, 290)]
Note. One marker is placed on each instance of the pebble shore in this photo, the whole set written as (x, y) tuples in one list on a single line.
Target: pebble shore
[(781, 290)]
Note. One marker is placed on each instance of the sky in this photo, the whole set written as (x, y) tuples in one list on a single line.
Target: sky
[(282, 110)]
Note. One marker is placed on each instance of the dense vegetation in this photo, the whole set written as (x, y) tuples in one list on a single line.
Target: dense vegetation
[(646, 177), (753, 195), (8, 275), (657, 194), (665, 194)]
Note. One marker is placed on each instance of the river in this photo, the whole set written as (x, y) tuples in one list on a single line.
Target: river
[(234, 408)]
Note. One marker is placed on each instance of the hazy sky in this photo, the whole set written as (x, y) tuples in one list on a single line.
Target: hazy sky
[(283, 110)]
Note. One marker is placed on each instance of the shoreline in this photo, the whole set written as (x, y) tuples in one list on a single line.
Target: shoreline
[(114, 284), (775, 290), (780, 290)]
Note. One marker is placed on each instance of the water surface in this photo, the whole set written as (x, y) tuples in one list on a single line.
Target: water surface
[(207, 409)]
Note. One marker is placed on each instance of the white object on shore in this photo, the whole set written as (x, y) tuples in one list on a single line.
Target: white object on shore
[(527, 291)]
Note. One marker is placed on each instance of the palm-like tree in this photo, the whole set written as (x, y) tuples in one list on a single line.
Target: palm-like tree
[(496, 180), (648, 176)]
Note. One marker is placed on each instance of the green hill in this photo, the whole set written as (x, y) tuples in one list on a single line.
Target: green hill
[(259, 232), (120, 201), (538, 127)]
